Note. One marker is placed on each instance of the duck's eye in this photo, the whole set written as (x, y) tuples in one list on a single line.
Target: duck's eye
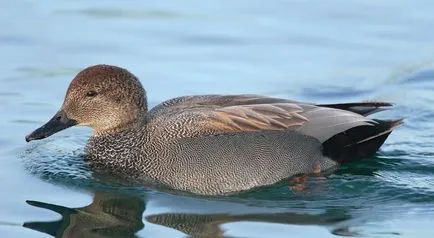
[(91, 93)]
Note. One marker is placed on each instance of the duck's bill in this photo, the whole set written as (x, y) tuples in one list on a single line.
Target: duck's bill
[(59, 122)]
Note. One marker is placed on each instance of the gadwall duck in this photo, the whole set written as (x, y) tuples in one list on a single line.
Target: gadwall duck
[(212, 144)]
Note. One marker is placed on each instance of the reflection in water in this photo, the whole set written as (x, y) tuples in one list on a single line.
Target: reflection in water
[(111, 215), (108, 215), (208, 225)]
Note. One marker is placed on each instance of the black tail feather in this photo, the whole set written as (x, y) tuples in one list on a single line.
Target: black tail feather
[(362, 108), (359, 142)]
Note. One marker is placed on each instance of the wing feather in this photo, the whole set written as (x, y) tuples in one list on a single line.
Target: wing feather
[(218, 114)]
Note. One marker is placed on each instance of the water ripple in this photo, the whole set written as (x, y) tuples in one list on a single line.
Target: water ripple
[(113, 13)]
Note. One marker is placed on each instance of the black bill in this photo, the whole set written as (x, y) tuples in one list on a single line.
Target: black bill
[(59, 122)]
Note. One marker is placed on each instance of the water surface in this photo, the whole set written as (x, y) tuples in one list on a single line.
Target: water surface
[(307, 50)]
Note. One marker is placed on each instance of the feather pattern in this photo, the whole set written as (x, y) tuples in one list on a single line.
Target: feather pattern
[(220, 114)]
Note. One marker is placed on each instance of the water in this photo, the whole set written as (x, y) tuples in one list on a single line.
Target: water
[(307, 50)]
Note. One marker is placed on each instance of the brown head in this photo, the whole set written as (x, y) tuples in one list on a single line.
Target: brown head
[(106, 98)]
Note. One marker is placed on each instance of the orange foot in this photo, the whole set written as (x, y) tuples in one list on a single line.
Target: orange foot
[(298, 183)]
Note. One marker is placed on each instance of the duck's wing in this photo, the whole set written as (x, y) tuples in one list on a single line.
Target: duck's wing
[(217, 114), (362, 108), (213, 100)]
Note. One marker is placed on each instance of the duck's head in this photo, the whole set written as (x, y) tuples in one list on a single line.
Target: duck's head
[(106, 98)]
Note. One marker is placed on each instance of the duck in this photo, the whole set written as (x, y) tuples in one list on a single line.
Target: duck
[(212, 144)]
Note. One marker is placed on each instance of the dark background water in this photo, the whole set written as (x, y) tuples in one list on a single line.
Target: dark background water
[(334, 51)]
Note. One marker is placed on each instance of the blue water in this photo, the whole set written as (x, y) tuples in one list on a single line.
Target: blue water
[(334, 51)]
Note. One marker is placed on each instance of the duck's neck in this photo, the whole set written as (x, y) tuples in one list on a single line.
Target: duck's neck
[(134, 124)]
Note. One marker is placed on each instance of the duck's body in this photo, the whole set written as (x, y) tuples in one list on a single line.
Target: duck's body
[(217, 144)]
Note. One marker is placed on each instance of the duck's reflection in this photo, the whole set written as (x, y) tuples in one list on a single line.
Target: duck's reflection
[(107, 216), (121, 216), (208, 225)]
